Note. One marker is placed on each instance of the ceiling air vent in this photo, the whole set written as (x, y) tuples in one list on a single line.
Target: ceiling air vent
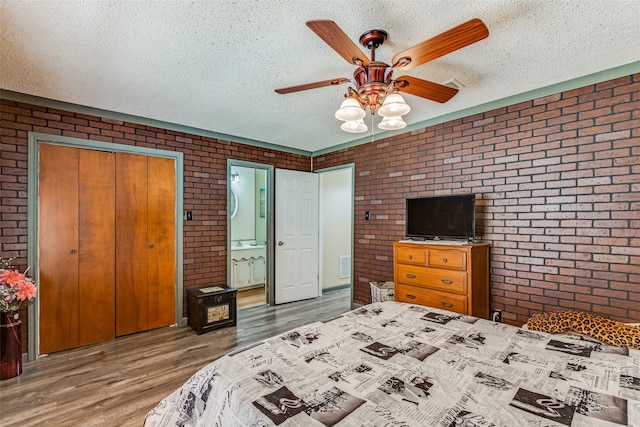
[(454, 84)]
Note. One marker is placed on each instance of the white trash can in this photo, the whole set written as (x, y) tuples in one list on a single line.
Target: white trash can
[(381, 291)]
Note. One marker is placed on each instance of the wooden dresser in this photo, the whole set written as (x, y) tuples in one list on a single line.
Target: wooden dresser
[(453, 277)]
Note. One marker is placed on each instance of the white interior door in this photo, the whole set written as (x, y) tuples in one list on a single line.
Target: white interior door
[(296, 236)]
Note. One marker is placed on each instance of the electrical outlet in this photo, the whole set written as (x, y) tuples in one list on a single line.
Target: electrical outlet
[(496, 315)]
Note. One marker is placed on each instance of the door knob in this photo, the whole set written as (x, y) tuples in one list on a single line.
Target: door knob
[(280, 243)]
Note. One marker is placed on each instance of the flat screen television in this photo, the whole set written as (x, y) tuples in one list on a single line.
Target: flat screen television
[(442, 217)]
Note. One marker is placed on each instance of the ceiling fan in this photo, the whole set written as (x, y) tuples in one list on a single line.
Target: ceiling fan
[(375, 88)]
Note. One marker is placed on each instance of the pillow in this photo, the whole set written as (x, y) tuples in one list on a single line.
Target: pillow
[(607, 331)]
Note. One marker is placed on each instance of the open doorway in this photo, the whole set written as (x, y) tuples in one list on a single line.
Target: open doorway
[(249, 231), (336, 228), (244, 248)]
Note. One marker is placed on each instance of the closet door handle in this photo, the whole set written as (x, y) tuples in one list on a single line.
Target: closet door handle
[(73, 251), (411, 276), (446, 282), (446, 304)]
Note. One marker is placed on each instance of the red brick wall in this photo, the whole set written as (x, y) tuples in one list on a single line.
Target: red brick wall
[(205, 168), (558, 196)]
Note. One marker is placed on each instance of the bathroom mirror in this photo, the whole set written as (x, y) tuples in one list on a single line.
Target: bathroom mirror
[(233, 202)]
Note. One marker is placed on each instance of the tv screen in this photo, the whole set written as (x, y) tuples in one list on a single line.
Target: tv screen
[(442, 217)]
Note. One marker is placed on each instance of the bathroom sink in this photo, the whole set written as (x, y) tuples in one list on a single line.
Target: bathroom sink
[(247, 247)]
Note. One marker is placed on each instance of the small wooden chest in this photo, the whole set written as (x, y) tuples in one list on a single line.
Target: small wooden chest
[(211, 308)]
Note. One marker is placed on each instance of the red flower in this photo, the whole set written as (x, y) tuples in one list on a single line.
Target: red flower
[(15, 287), (12, 277), (26, 290)]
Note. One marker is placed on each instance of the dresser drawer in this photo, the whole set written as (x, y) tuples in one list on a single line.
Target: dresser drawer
[(447, 259), (424, 296), (411, 255), (433, 278)]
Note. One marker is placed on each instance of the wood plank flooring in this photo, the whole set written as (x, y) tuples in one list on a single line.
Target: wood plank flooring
[(247, 298), (116, 383)]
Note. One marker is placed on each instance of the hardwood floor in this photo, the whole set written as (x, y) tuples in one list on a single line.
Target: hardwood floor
[(247, 298), (116, 383)]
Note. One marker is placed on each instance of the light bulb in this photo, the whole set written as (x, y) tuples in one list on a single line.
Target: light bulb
[(392, 123), (354, 126), (394, 106), (350, 110)]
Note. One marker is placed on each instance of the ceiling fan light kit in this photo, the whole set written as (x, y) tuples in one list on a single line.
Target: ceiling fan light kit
[(350, 109), (354, 126), (374, 87), (394, 106), (392, 123)]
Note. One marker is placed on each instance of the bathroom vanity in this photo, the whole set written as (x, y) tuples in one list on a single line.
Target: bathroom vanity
[(248, 266)]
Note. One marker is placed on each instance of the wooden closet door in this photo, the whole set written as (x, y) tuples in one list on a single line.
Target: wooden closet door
[(161, 269), (96, 228), (131, 243), (58, 247)]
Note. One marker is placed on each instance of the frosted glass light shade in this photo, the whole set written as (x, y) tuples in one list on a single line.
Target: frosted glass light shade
[(350, 110), (354, 126), (394, 106), (392, 123)]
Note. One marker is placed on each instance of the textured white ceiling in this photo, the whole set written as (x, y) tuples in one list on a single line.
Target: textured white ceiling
[(214, 65)]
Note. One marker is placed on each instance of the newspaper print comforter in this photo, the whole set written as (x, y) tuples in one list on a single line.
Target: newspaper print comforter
[(397, 364)]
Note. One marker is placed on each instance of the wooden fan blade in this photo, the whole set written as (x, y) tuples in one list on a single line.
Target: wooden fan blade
[(442, 44), (315, 85), (425, 89), (336, 38)]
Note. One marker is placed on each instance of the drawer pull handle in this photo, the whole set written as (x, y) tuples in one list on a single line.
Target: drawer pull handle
[(411, 276), (446, 282), (410, 296), (410, 256), (444, 260), (446, 304)]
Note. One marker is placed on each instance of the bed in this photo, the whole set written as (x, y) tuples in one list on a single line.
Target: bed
[(397, 364)]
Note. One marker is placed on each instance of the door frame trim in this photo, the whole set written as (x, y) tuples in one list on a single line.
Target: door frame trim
[(35, 138), (269, 287)]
